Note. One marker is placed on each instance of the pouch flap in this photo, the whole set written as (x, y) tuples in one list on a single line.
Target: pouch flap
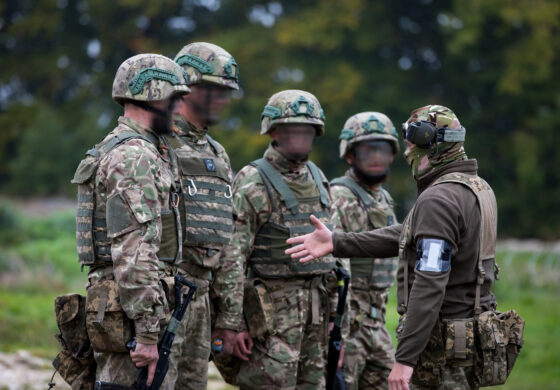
[(104, 294), (203, 167), (67, 307), (85, 170)]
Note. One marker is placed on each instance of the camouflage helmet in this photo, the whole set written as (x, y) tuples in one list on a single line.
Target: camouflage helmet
[(444, 121), (366, 126), (148, 77), (293, 106), (207, 62)]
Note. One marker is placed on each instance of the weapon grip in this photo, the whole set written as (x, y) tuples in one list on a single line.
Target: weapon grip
[(179, 282)]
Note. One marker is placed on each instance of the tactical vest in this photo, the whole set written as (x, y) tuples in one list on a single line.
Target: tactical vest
[(488, 229), (93, 244), (206, 206), (381, 272), (289, 218)]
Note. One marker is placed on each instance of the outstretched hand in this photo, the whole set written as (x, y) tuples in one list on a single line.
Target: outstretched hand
[(313, 245)]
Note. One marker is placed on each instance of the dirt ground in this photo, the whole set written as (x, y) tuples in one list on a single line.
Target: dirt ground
[(22, 371)]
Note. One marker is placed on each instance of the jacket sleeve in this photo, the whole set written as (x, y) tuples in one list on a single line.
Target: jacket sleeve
[(137, 189), (382, 242)]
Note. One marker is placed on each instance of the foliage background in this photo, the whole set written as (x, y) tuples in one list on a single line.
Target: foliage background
[(495, 62)]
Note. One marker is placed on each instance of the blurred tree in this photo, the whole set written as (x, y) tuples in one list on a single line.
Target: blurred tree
[(495, 62)]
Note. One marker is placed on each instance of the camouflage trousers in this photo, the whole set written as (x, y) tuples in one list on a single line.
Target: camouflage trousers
[(191, 347), (452, 378), (294, 356), (368, 358), (118, 368)]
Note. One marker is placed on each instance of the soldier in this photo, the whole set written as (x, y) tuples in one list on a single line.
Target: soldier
[(368, 142), (125, 225), (446, 248), (286, 304), (202, 171)]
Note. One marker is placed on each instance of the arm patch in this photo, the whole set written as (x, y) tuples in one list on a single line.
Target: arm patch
[(433, 255), (120, 218)]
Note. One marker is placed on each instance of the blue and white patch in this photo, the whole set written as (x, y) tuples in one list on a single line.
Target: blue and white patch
[(433, 255), (210, 166)]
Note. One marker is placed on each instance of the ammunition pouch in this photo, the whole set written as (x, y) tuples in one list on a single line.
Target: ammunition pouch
[(490, 342), (500, 338), (75, 362), (108, 327), (259, 310)]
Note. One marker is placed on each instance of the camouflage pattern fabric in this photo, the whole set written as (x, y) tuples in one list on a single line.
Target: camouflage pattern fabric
[(207, 62), (293, 106), (366, 126), (148, 77), (369, 352), (452, 378), (135, 172), (295, 354)]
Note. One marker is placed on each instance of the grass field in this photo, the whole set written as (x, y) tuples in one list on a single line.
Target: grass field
[(38, 262)]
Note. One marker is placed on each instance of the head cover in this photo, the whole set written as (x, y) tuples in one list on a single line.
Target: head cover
[(367, 126), (210, 63), (293, 106), (437, 133), (148, 78)]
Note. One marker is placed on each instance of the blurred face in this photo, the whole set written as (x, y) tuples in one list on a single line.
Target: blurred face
[(161, 121), (294, 141), (372, 157), (207, 101)]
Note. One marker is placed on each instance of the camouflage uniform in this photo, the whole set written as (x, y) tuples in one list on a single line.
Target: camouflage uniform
[(123, 200), (202, 169), (287, 304), (369, 352)]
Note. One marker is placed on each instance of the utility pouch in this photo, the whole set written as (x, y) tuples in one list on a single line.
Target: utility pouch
[(428, 370), (259, 310), (500, 338), (458, 337), (108, 327), (75, 362)]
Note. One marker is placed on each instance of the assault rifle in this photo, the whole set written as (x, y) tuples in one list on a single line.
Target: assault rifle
[(164, 349), (335, 337)]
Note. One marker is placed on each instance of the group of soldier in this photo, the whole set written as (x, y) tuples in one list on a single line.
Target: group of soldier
[(156, 197)]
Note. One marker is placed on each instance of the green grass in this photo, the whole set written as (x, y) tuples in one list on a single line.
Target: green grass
[(38, 262)]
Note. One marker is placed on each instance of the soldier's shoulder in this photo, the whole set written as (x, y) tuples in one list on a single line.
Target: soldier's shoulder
[(248, 175), (339, 191)]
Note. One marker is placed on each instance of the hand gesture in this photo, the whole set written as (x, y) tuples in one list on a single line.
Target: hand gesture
[(312, 245)]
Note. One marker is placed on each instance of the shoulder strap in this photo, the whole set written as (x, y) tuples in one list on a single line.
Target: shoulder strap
[(271, 174), (213, 144), (488, 210), (120, 138), (316, 174), (345, 181)]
